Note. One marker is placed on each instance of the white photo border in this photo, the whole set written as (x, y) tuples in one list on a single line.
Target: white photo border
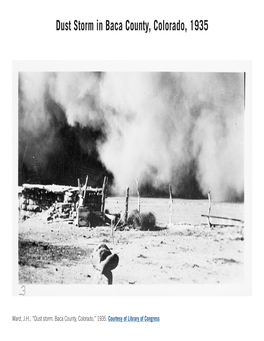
[(244, 289)]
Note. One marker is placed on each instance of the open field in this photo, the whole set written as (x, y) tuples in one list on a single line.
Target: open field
[(188, 251)]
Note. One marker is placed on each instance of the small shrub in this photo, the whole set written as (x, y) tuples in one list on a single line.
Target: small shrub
[(148, 221), (134, 219), (142, 221)]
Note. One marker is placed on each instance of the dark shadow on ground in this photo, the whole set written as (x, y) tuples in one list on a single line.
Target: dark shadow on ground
[(41, 254)]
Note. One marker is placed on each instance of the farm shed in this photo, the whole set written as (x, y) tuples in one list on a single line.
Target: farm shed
[(87, 202), (37, 198)]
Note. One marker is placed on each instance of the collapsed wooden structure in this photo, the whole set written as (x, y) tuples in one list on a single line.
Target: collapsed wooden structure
[(84, 203), (91, 204), (38, 198)]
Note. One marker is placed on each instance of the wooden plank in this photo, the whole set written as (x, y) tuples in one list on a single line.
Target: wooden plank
[(80, 193), (217, 217), (85, 187), (79, 186), (104, 194)]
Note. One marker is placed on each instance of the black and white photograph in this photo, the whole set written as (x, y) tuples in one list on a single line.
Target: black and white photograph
[(131, 178)]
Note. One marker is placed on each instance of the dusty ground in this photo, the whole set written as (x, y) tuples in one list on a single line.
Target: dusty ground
[(188, 251)]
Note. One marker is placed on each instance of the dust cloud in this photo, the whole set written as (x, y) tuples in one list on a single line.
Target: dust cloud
[(161, 128)]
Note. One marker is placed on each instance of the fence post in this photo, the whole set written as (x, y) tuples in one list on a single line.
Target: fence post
[(127, 198), (170, 205), (209, 209), (138, 195)]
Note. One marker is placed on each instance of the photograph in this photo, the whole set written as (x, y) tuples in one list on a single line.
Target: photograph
[(131, 178)]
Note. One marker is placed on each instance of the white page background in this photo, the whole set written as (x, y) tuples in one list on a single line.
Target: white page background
[(235, 34)]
